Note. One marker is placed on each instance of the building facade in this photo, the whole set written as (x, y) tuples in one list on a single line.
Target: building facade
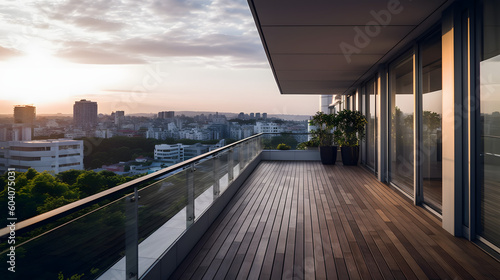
[(425, 74), (85, 113), (166, 115), (119, 117), (265, 127), (53, 156), (170, 154), (24, 114)]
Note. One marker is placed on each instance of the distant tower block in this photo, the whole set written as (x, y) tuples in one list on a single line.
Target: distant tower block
[(25, 114), (119, 117), (85, 113), (166, 115)]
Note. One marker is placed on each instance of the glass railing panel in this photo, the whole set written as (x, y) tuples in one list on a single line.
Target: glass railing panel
[(223, 171), (205, 189), (83, 248), (236, 161), (290, 141), (162, 217), (94, 243)]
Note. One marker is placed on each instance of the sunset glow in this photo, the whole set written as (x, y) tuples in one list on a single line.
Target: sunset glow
[(209, 55)]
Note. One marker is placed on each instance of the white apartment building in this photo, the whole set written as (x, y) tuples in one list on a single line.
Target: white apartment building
[(265, 127), (170, 154), (55, 155)]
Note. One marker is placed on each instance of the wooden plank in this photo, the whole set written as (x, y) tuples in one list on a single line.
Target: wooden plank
[(287, 270), (213, 259), (280, 225), (202, 248), (324, 216), (299, 264), (254, 258), (287, 226), (305, 220)]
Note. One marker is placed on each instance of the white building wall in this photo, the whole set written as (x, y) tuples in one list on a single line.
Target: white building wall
[(262, 127), (170, 154), (53, 156)]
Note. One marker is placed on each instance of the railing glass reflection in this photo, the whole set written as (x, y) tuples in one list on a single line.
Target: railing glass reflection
[(120, 235)]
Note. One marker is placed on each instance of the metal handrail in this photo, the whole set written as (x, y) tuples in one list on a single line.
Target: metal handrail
[(68, 209)]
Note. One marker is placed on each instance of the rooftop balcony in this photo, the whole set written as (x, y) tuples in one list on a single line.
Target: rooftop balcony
[(305, 220), (247, 213)]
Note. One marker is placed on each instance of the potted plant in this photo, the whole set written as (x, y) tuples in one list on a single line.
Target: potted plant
[(350, 130), (324, 134)]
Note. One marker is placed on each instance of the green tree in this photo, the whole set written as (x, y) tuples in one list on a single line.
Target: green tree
[(69, 177), (89, 183)]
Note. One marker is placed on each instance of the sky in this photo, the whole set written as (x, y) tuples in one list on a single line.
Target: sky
[(137, 56)]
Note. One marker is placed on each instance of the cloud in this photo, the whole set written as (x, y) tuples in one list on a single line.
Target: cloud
[(150, 31), (95, 24), (212, 45), (95, 56), (6, 53), (177, 8)]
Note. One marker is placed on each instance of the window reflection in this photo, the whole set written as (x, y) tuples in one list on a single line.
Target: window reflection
[(490, 123), (431, 148), (401, 124), (371, 136)]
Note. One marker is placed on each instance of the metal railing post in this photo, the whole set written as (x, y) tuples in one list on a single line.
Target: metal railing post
[(132, 236), (230, 168), (241, 155), (190, 195), (216, 176)]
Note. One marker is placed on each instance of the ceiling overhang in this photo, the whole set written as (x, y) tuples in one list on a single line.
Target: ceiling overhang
[(329, 47)]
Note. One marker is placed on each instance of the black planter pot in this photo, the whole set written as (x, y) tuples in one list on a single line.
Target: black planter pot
[(350, 155), (328, 154)]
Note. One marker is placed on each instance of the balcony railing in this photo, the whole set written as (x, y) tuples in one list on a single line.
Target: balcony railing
[(121, 232)]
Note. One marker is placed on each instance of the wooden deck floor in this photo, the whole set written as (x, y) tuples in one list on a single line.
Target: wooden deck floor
[(303, 220)]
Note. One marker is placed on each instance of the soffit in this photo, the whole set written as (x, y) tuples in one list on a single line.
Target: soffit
[(308, 42)]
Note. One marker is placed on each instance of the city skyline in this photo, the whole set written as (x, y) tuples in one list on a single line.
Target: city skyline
[(187, 57)]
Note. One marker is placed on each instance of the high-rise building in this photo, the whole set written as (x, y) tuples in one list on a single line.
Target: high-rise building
[(252, 116), (24, 114), (241, 116), (264, 116), (166, 115), (24, 120), (119, 116), (85, 113), (257, 115)]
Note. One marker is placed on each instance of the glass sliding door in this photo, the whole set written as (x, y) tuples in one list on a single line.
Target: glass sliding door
[(489, 162), (371, 133), (431, 148), (401, 104)]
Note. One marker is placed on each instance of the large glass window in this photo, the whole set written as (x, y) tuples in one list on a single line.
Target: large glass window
[(401, 123), (490, 123), (371, 133), (364, 147), (431, 148)]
